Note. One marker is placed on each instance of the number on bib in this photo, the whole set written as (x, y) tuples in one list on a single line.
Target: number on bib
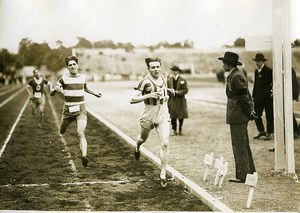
[(74, 108), (37, 94)]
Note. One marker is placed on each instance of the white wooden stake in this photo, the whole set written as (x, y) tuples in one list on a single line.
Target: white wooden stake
[(251, 181), (250, 196), (217, 179), (208, 160), (206, 173), (222, 171), (217, 165)]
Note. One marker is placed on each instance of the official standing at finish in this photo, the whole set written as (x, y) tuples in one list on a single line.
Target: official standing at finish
[(263, 97), (238, 113), (177, 103)]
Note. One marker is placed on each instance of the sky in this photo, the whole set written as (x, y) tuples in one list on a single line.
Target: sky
[(208, 23)]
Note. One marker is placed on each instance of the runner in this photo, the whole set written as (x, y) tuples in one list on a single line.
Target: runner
[(73, 87), (35, 88), (152, 90)]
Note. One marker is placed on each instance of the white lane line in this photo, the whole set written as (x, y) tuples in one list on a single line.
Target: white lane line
[(113, 182), (13, 127), (71, 162), (200, 193), (11, 97), (9, 90)]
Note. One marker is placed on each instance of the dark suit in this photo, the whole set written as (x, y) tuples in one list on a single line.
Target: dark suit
[(262, 97), (177, 103), (238, 111), (295, 93)]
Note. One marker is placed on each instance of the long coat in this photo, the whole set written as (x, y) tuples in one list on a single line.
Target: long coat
[(177, 104), (263, 84), (239, 101), (295, 86)]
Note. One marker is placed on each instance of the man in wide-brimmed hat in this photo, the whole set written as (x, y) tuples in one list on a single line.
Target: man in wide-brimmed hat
[(177, 102), (238, 113), (263, 97)]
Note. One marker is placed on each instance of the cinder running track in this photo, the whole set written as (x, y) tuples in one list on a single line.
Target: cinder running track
[(41, 170)]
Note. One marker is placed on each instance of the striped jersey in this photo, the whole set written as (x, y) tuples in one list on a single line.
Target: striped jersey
[(147, 86), (73, 88)]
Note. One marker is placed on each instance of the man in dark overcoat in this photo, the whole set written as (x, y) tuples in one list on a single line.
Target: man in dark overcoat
[(295, 94), (238, 113), (263, 97), (177, 101)]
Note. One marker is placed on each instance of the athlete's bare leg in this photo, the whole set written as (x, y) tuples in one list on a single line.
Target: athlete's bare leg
[(163, 130), (142, 139), (81, 125)]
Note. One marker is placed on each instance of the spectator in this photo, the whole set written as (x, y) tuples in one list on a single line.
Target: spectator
[(177, 103), (238, 113), (295, 88), (263, 97)]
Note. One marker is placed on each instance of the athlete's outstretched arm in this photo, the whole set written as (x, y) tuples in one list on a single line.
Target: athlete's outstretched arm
[(86, 89), (56, 88)]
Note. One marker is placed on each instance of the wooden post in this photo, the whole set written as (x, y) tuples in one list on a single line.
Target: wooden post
[(208, 160), (282, 87), (222, 171), (251, 180), (218, 164), (278, 86), (288, 100), (250, 196)]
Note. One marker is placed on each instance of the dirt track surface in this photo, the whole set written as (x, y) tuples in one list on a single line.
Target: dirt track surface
[(37, 174), (205, 131)]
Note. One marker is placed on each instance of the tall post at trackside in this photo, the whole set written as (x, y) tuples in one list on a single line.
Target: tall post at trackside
[(288, 99), (282, 87)]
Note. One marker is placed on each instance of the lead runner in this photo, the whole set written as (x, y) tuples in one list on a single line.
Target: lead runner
[(153, 91)]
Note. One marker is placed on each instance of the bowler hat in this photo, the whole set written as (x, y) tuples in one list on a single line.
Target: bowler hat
[(231, 58), (175, 68), (259, 57)]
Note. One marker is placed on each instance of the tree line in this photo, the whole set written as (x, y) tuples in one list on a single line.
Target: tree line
[(37, 54)]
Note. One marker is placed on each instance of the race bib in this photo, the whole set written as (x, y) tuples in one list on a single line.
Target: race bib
[(37, 94), (75, 108), (162, 93)]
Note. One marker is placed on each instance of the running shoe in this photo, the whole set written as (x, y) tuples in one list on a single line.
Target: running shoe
[(163, 182), (84, 161), (137, 153)]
